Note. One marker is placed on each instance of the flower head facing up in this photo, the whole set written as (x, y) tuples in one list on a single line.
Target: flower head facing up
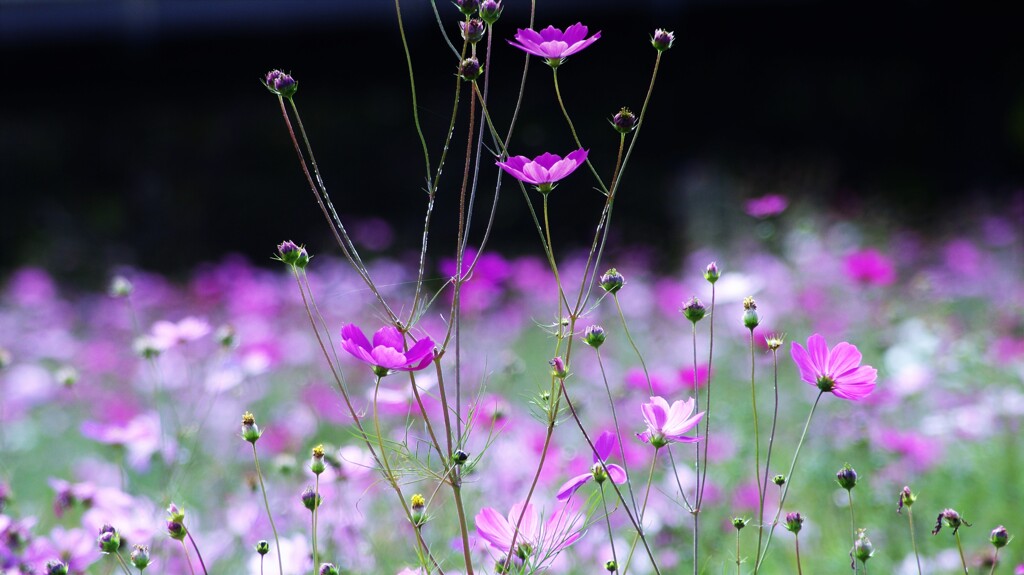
[(662, 39), (999, 537), (667, 424), (552, 44), (280, 83), (545, 171), (534, 539), (603, 448), (387, 353), (794, 522), (838, 371), (907, 498)]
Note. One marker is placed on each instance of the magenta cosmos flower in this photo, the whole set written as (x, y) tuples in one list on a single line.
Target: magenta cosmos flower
[(838, 371), (552, 44), (602, 449), (667, 424), (534, 540), (387, 353), (544, 171)]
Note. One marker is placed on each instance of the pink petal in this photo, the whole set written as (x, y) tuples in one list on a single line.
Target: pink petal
[(536, 174), (388, 336), (547, 160), (575, 33), (550, 34), (352, 333), (570, 487), (388, 357), (420, 355), (803, 363), (493, 528), (616, 473), (604, 445), (844, 358), (529, 525), (818, 351)]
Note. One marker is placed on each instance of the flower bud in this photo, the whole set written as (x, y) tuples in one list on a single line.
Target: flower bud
[(625, 121), (739, 523), (66, 376), (418, 507), (311, 499), (662, 39), (328, 569), (109, 540), (470, 69), (226, 336), (558, 368), (693, 310), (292, 254), (467, 7), (794, 522), (774, 341), (952, 520), (779, 480), (612, 281), (317, 465), (55, 567), (460, 457), (750, 317), (280, 83), (120, 287), (490, 11), (140, 556), (846, 477), (611, 566), (712, 273), (250, 431), (862, 548), (999, 537), (145, 347), (472, 30), (594, 336), (262, 547), (907, 498), (598, 472), (176, 530)]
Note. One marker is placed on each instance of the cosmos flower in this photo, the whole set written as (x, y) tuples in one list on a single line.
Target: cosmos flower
[(387, 353), (667, 424), (553, 44), (534, 539), (838, 370), (766, 206), (602, 449), (544, 171)]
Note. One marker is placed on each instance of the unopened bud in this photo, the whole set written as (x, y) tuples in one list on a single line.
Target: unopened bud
[(662, 39), (693, 310), (612, 281), (594, 336)]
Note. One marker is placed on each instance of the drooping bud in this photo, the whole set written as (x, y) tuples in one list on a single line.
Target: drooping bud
[(262, 547), (310, 498), (280, 83), (594, 336), (472, 30), (418, 506), (999, 537), (794, 522), (558, 368), (470, 69), (612, 281), (750, 317), (317, 465), (846, 477), (662, 39), (624, 121), (952, 520), (140, 556), (711, 273), (490, 11), (693, 310), (907, 498), (250, 431), (292, 254)]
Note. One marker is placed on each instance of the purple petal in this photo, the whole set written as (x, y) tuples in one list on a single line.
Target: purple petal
[(420, 355), (617, 474), (863, 375), (575, 33), (494, 528), (604, 445), (570, 487), (818, 351), (803, 363), (388, 357), (547, 160), (844, 358), (550, 34), (351, 332), (554, 49), (528, 527), (536, 173), (389, 336)]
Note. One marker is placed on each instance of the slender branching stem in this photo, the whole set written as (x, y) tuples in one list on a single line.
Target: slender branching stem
[(575, 136), (853, 526), (188, 559), (618, 431), (608, 524), (696, 460), (643, 510), (124, 564), (995, 561), (707, 399), (313, 517)]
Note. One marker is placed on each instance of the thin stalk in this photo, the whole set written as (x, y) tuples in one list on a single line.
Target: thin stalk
[(775, 420), (198, 554), (799, 570), (789, 480), (757, 454), (738, 552), (572, 128), (266, 503), (853, 526), (608, 524), (696, 459), (913, 539), (707, 404), (960, 547), (124, 564), (643, 510), (995, 561), (187, 558), (313, 516), (618, 429)]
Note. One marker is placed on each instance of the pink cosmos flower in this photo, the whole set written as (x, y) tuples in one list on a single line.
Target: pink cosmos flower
[(545, 170), (667, 424), (602, 449), (870, 267), (765, 206), (553, 44), (387, 353), (838, 371), (534, 540)]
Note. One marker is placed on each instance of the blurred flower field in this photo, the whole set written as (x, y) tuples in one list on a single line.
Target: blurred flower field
[(115, 405)]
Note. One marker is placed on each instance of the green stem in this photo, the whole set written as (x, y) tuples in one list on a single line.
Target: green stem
[(187, 559), (738, 552), (757, 455), (707, 405), (696, 494), (771, 438), (789, 480), (124, 564), (266, 503), (643, 510), (608, 524), (572, 128), (913, 538), (995, 561), (853, 526), (316, 508), (618, 430), (960, 547), (198, 554), (799, 570)]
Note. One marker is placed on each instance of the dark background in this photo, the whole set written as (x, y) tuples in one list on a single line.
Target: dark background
[(137, 132)]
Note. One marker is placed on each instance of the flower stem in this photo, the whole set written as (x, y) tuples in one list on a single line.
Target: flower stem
[(187, 559), (960, 547), (608, 524), (266, 503), (913, 539), (198, 554), (124, 564), (738, 552), (707, 399), (789, 480), (995, 561), (618, 430), (771, 438), (316, 508), (757, 455), (799, 570), (696, 460), (643, 510), (853, 526), (572, 128)]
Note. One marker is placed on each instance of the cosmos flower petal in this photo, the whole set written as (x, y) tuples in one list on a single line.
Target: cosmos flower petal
[(388, 357), (494, 528), (818, 351), (616, 473), (803, 363), (570, 487), (844, 358), (604, 445), (388, 336)]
